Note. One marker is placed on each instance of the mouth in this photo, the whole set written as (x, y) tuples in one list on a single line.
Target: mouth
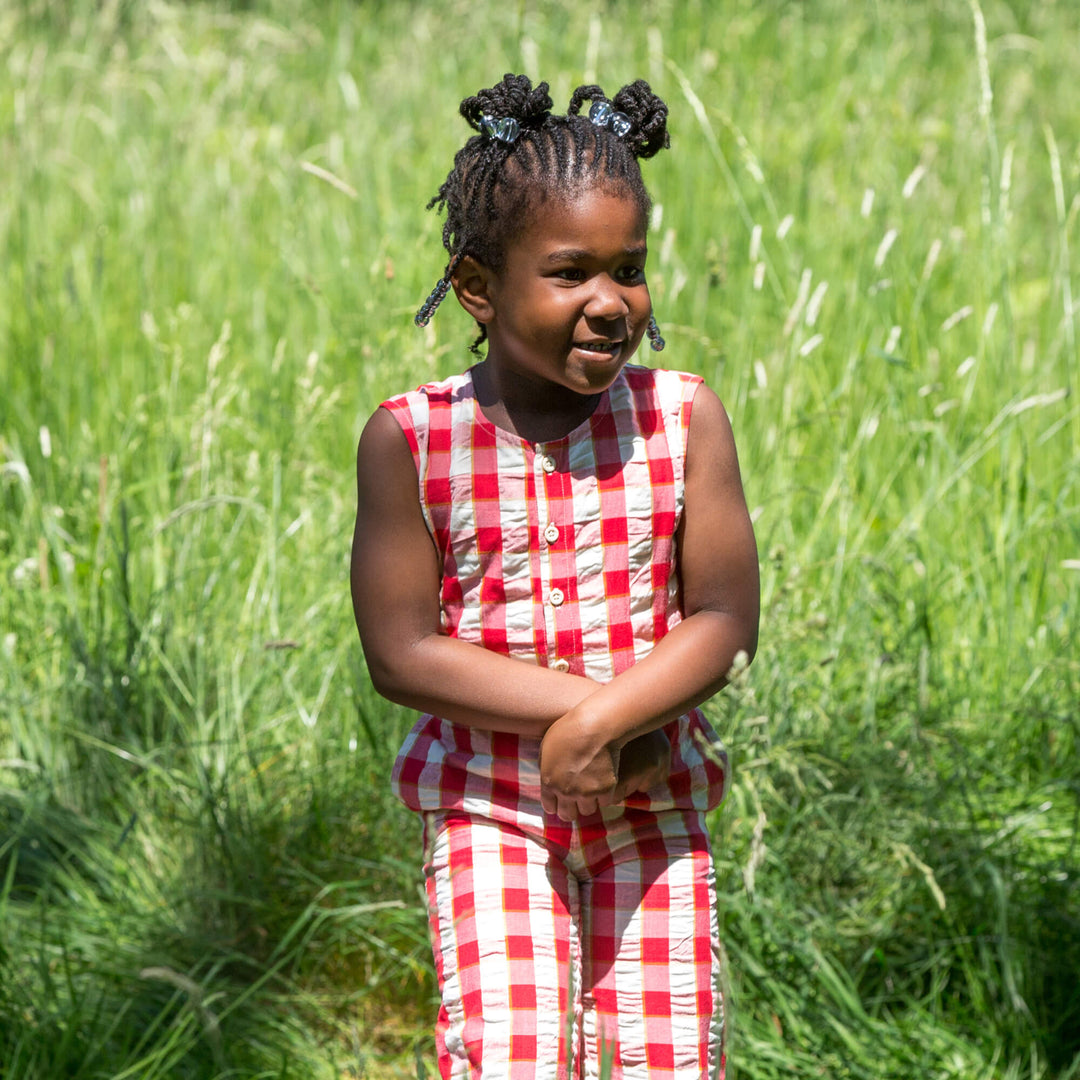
[(601, 348)]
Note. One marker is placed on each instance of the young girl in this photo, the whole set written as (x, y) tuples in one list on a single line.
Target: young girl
[(553, 560)]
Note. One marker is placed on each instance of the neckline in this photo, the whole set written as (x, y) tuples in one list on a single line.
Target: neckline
[(603, 406)]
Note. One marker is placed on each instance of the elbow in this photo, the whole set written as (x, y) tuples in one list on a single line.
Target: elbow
[(746, 645), (397, 673), (735, 657), (388, 678), (744, 657), (735, 637), (382, 680), (735, 644), (383, 664), (748, 648)]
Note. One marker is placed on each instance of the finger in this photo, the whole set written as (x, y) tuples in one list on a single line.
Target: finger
[(649, 780), (549, 801), (650, 776), (618, 793)]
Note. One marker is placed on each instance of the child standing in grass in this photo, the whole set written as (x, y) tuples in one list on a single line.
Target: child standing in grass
[(553, 560)]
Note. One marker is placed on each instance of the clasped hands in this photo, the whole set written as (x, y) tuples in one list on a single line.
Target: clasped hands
[(581, 770)]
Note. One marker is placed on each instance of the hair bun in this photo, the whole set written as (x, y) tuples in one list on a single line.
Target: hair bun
[(647, 113), (514, 97), (649, 135)]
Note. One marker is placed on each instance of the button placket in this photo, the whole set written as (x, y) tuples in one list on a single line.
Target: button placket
[(546, 466)]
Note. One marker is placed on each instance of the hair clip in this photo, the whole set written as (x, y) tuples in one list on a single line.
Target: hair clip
[(505, 130), (604, 115)]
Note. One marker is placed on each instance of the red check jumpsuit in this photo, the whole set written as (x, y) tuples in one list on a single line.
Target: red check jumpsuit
[(560, 946)]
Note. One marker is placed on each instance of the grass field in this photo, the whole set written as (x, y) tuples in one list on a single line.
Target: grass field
[(213, 241)]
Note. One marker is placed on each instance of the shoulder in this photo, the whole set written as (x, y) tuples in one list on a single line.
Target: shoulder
[(662, 390), (690, 406), (444, 390), (661, 380), (388, 439), (663, 399), (710, 443), (675, 387), (412, 411)]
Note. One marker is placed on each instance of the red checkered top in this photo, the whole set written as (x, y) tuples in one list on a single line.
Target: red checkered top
[(560, 553)]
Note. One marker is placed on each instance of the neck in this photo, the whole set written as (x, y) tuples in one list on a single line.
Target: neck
[(536, 411)]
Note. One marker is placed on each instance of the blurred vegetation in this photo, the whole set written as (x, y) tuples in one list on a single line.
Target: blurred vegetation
[(214, 240)]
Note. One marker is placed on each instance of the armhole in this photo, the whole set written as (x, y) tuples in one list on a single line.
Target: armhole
[(691, 385), (404, 413), (677, 403), (677, 392), (411, 413)]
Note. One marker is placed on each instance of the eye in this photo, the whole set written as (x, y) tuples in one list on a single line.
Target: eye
[(571, 273), (632, 274)]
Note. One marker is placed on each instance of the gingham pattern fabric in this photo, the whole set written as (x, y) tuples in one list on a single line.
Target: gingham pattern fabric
[(561, 554), (555, 942), (561, 947)]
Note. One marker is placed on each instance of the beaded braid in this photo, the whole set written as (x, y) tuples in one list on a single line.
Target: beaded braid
[(494, 183)]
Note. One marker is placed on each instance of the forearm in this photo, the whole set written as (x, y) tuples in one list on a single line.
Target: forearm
[(687, 666), (474, 687), (580, 759)]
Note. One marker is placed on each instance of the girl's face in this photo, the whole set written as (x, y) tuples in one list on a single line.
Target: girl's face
[(571, 304)]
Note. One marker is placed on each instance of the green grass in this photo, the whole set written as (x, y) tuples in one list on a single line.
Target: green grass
[(213, 239)]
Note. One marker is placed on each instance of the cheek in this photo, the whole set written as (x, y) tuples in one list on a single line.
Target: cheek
[(558, 310)]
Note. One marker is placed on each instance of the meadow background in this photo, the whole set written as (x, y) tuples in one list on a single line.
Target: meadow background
[(213, 240)]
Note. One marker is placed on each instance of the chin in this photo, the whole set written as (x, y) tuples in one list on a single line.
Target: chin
[(594, 362), (599, 378)]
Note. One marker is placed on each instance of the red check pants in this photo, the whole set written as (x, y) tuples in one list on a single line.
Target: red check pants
[(559, 946)]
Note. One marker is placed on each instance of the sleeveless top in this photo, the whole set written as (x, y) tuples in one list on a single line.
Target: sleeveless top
[(561, 554)]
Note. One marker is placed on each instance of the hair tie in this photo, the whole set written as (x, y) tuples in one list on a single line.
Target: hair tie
[(604, 115), (505, 130)]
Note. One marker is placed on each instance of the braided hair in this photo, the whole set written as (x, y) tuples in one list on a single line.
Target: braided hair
[(502, 174)]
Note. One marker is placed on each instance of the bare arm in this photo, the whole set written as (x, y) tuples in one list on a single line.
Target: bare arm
[(719, 574), (395, 590)]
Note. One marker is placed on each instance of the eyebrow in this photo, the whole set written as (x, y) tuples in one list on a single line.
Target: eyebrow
[(578, 254)]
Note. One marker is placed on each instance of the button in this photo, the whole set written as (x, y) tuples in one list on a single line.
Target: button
[(561, 665), (548, 463), (551, 533), (557, 597)]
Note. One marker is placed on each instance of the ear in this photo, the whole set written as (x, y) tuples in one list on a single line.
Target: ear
[(472, 282)]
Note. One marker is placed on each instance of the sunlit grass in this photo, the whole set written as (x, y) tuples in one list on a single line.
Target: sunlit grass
[(214, 242)]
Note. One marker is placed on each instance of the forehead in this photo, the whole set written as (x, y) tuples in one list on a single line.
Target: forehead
[(593, 222)]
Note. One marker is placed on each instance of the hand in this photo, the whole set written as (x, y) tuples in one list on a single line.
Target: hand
[(643, 763), (579, 769)]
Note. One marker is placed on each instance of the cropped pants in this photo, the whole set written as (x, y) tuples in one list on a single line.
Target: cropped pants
[(563, 949)]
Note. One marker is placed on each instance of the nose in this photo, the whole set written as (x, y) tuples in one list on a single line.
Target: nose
[(607, 300)]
